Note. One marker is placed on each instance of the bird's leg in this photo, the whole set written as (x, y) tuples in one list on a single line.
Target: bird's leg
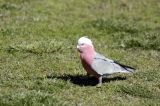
[(99, 81)]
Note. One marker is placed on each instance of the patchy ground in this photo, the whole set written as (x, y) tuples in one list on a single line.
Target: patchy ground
[(39, 64)]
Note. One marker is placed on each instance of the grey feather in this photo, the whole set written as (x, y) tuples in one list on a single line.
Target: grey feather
[(104, 66)]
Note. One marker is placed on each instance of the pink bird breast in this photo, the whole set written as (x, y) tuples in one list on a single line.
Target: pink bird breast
[(86, 55)]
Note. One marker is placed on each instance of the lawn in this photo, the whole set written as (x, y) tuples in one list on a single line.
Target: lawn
[(39, 63)]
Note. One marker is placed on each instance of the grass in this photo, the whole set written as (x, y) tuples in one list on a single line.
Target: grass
[(39, 63)]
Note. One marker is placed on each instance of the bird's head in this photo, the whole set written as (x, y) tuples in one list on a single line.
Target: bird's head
[(84, 44)]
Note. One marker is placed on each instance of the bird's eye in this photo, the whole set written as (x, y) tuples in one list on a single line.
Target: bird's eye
[(82, 44)]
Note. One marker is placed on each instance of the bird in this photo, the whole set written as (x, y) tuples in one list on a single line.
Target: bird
[(97, 64)]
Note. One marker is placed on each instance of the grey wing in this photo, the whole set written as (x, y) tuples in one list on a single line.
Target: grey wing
[(99, 56), (103, 65)]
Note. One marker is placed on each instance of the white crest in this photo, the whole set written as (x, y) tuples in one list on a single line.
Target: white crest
[(85, 40)]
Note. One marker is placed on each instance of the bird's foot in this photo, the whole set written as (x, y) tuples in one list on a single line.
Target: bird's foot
[(99, 85)]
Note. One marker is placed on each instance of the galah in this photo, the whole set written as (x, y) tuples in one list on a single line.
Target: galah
[(96, 64)]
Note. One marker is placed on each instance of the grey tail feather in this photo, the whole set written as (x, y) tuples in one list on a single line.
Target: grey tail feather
[(128, 68)]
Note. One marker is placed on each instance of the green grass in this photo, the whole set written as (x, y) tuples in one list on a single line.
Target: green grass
[(39, 63)]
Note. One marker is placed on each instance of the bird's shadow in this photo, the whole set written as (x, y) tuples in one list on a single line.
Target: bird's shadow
[(82, 80)]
